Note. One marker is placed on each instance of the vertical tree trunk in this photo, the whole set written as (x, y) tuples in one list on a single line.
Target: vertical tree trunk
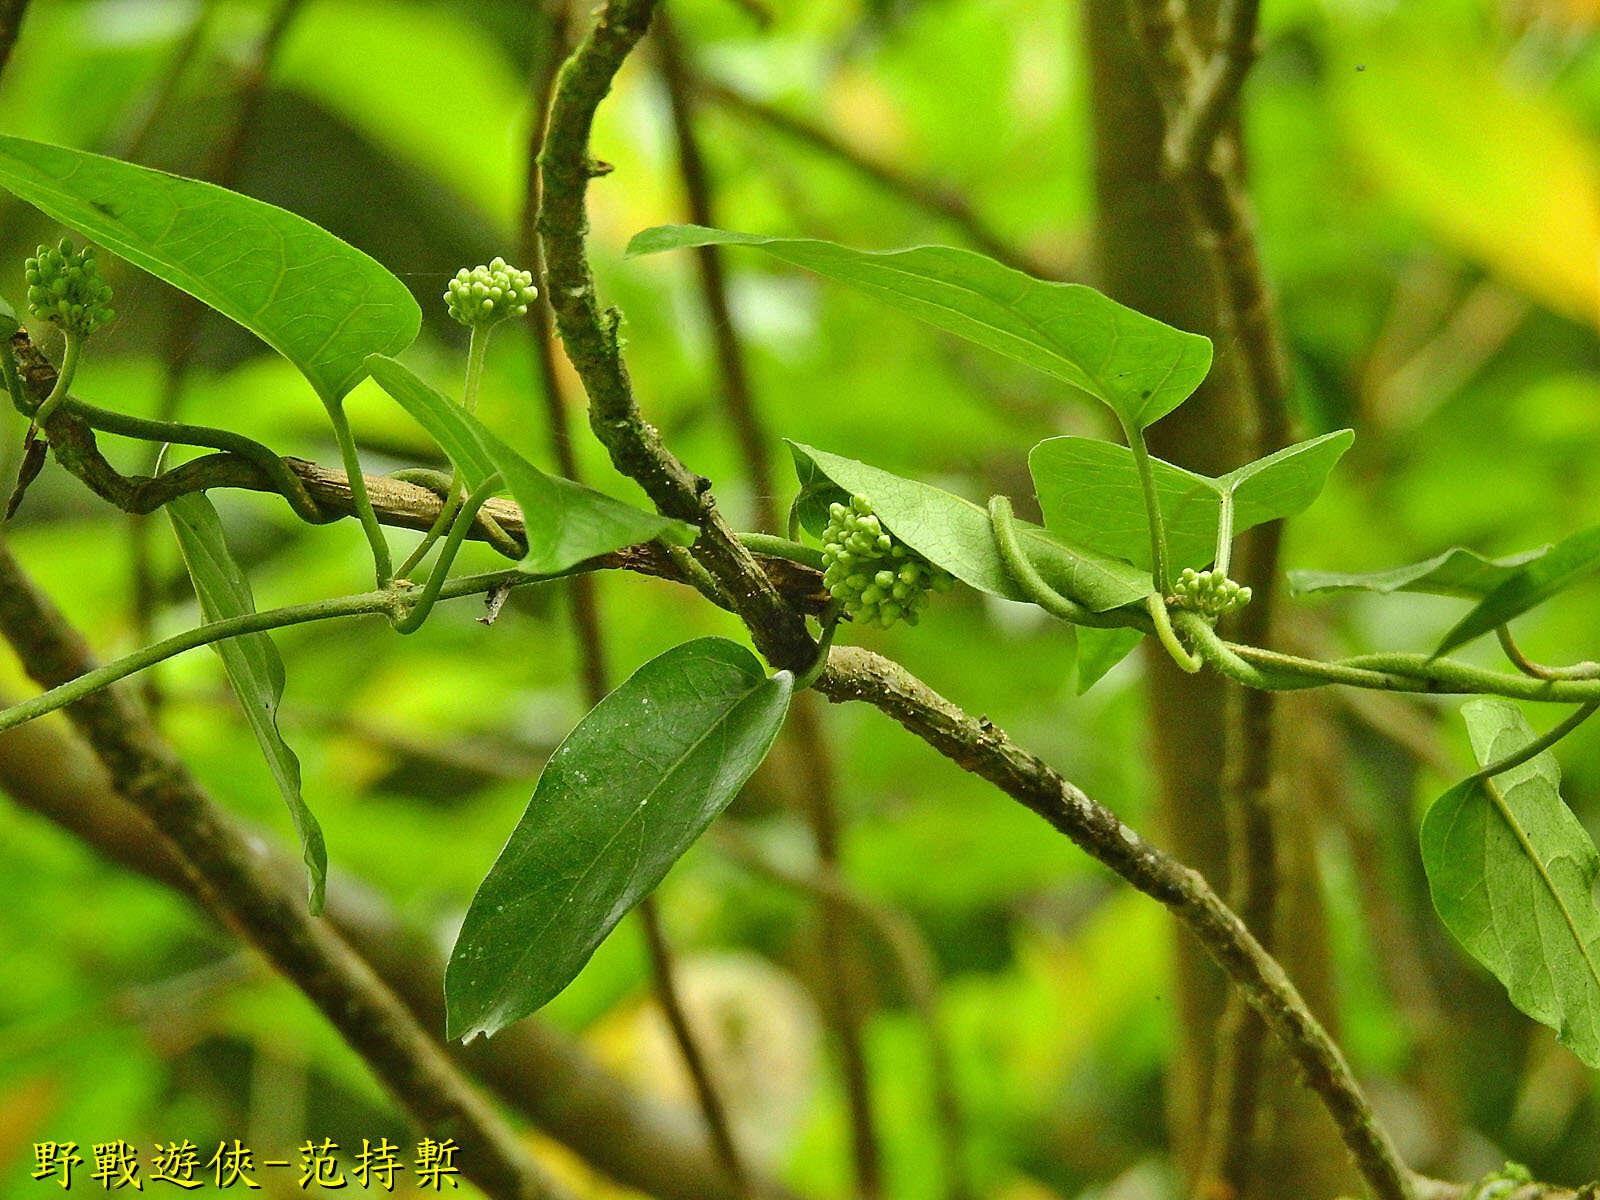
[(1147, 257)]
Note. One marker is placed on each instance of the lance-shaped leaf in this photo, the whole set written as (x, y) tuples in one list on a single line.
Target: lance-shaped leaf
[(565, 521), (251, 663), (956, 534), (1530, 586), (619, 802), (1140, 367), (1090, 494), (1512, 872), (318, 301), (1456, 572)]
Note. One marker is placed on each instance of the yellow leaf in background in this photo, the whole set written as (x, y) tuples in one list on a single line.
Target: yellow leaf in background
[(1498, 172)]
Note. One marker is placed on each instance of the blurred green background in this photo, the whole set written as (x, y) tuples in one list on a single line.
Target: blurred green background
[(1428, 182)]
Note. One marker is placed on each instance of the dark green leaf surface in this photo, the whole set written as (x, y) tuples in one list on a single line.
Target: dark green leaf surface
[(1512, 872), (566, 522), (1090, 494), (318, 301), (1529, 587), (1140, 367), (620, 800), (1456, 572), (251, 662), (956, 534), (8, 319)]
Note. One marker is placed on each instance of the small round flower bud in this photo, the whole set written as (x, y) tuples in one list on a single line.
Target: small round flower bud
[(1210, 593), (65, 288), (489, 294), (876, 577)]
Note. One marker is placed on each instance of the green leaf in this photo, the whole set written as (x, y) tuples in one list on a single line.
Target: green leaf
[(318, 301), (619, 802), (1512, 872), (252, 665), (1101, 649), (956, 534), (1140, 367), (1456, 572), (566, 522), (1572, 559), (8, 319), (1090, 494)]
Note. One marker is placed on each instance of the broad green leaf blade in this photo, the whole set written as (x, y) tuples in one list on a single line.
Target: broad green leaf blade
[(1090, 494), (252, 665), (619, 802), (1139, 366), (318, 301), (1572, 559), (1101, 649), (566, 522), (956, 534), (1456, 572), (1512, 872)]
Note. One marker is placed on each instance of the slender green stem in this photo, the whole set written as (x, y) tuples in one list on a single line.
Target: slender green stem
[(777, 547), (69, 368), (204, 635), (1022, 570), (382, 563), (1156, 606), (419, 609), (1224, 533), (477, 350), (830, 626), (291, 485), (1539, 745), (698, 577), (1152, 506), (447, 515), (1583, 670)]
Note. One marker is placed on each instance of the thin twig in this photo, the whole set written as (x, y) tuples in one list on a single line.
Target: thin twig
[(590, 336)]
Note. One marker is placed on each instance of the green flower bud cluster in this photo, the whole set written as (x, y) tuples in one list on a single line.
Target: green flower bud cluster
[(1211, 593), (487, 295), (877, 577), (65, 287)]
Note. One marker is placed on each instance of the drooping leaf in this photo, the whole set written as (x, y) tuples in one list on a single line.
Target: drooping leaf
[(318, 301), (1512, 872), (1101, 649), (1090, 494), (565, 521), (1140, 367), (1530, 586), (619, 802), (955, 534), (1456, 572), (251, 662)]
